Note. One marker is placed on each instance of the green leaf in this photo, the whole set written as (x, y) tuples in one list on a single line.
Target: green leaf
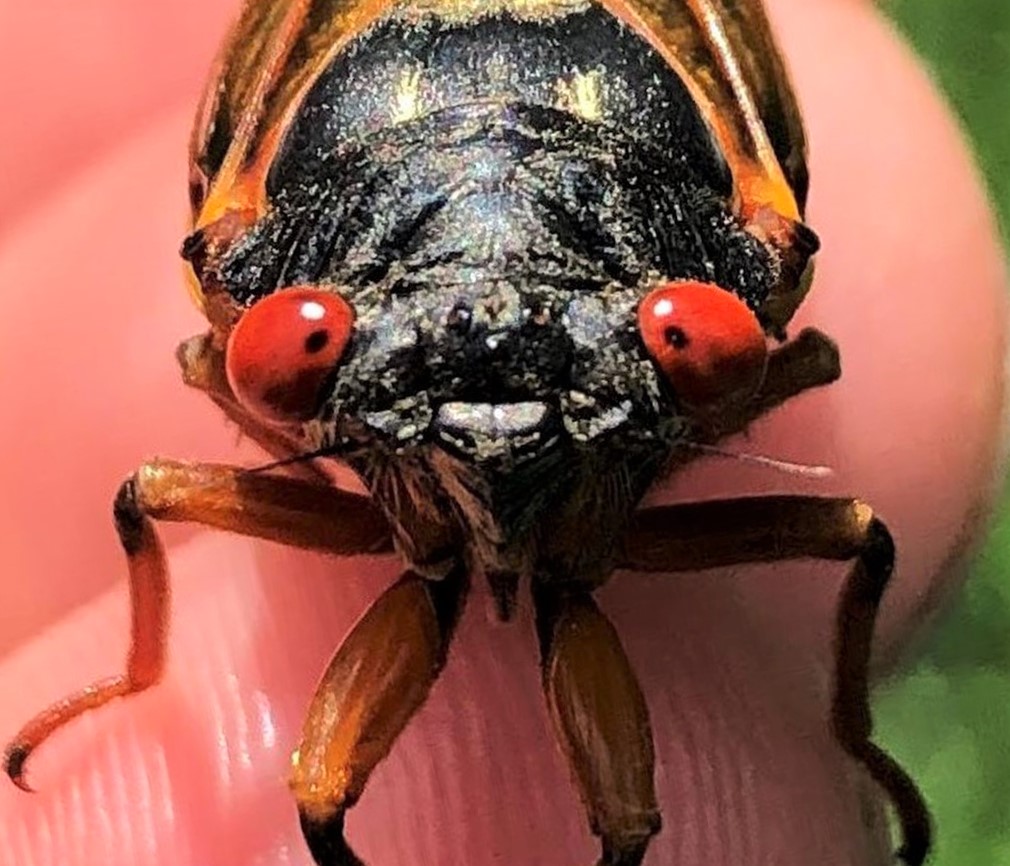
[(948, 721)]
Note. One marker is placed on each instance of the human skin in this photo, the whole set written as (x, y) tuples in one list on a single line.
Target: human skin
[(735, 664)]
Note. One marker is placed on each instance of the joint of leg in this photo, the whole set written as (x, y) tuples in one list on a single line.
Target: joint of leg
[(321, 792), (628, 847), (878, 551), (129, 516), (325, 839), (193, 356)]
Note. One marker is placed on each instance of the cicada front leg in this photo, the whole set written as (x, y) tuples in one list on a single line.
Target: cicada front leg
[(378, 679), (601, 720), (291, 511)]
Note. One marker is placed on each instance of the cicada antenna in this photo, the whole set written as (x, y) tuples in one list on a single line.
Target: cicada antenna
[(802, 470), (289, 461)]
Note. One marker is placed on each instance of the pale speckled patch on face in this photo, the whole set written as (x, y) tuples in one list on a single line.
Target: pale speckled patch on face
[(496, 429), (506, 419)]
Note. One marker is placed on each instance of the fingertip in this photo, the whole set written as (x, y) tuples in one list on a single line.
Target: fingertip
[(94, 305), (912, 282), (123, 63)]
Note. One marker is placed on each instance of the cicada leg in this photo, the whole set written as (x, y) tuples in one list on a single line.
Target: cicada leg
[(807, 361), (288, 510), (766, 528), (601, 720), (378, 679)]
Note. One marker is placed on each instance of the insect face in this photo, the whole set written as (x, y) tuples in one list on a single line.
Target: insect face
[(497, 295), (495, 371)]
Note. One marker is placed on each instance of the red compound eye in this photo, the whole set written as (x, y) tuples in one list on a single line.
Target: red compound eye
[(284, 347), (706, 341)]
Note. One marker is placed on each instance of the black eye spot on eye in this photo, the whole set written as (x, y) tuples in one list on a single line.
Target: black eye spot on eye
[(676, 338), (317, 341), (459, 319)]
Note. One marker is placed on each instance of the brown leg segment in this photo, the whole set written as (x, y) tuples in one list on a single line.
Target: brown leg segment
[(291, 511), (713, 534), (807, 361), (378, 679), (601, 720)]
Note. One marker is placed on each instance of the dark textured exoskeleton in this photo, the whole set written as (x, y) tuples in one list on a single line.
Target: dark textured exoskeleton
[(512, 261)]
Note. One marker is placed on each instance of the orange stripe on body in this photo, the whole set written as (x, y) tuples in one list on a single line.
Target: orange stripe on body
[(758, 177)]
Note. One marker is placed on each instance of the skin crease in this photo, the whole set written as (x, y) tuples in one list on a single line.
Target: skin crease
[(733, 664)]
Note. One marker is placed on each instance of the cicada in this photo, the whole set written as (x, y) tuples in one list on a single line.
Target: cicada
[(512, 262)]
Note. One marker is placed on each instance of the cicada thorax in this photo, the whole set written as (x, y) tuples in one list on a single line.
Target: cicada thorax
[(722, 50)]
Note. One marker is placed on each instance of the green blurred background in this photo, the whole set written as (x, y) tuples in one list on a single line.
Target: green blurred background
[(949, 720)]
